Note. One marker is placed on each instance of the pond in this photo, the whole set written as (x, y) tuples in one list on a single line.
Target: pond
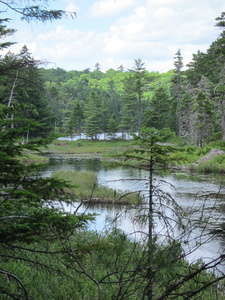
[(201, 196)]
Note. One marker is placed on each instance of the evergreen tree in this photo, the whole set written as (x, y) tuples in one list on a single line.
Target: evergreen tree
[(219, 91), (97, 67), (186, 124), (177, 82), (66, 104), (93, 115), (31, 11), (221, 20), (129, 116), (27, 211), (112, 127), (157, 115), (27, 202), (178, 63), (5, 32), (52, 93), (139, 82), (121, 68), (25, 87), (196, 68), (76, 118), (203, 109)]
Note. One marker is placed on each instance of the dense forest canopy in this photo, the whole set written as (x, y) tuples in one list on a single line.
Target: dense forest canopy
[(188, 99)]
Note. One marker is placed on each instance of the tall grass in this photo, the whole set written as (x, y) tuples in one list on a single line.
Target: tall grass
[(87, 189), (89, 147), (210, 167), (29, 157)]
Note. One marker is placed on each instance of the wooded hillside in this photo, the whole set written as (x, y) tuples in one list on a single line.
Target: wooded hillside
[(189, 100)]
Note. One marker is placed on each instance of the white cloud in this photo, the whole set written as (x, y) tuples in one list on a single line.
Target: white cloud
[(106, 8), (164, 13), (162, 2), (150, 29), (67, 45), (156, 34), (72, 7)]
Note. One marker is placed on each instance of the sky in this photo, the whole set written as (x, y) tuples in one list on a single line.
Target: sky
[(116, 32)]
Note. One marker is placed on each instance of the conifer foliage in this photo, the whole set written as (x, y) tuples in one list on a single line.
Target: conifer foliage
[(27, 211)]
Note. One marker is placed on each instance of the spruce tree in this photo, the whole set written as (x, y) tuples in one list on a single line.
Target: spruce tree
[(177, 82), (129, 115), (93, 115), (76, 118), (158, 114), (139, 81)]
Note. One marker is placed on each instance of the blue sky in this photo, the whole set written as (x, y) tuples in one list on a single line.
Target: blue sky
[(115, 32)]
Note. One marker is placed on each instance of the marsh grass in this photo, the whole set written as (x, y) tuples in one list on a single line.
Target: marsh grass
[(30, 157), (90, 147), (87, 189), (211, 167)]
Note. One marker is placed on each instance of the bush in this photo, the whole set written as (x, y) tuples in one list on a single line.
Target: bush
[(211, 166)]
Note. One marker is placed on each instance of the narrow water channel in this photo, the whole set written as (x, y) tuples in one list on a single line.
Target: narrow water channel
[(201, 196)]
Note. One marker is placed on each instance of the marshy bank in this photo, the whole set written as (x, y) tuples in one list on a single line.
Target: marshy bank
[(193, 192), (87, 189)]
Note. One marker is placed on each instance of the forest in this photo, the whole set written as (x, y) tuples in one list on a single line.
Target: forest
[(188, 102), (47, 253)]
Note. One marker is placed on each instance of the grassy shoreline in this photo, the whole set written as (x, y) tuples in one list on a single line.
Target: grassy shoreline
[(89, 147), (107, 150), (86, 189), (33, 158)]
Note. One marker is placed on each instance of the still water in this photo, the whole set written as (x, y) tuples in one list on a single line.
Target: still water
[(201, 197)]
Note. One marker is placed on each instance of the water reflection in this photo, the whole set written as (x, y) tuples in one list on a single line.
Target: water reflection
[(60, 164), (202, 196)]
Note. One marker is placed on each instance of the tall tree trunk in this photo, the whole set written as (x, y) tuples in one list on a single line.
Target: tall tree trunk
[(11, 98), (150, 233), (12, 91), (10, 101)]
